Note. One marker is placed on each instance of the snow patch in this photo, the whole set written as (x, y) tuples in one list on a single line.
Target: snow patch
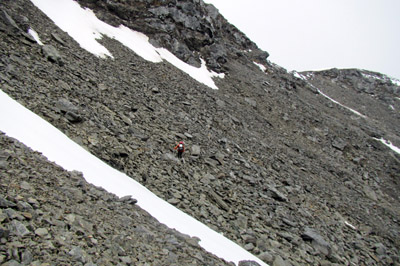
[(35, 36), (395, 81), (303, 77), (389, 144), (348, 108), (298, 75), (350, 225), (85, 28), (263, 68)]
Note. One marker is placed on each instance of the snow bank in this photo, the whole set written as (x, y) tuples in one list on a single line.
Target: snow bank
[(82, 25)]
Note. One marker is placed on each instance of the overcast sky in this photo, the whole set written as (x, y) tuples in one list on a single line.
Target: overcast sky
[(321, 34)]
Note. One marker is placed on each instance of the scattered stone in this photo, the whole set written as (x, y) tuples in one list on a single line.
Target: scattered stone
[(275, 194), (12, 263), (25, 185), (195, 150), (6, 203), (128, 199), (339, 144), (19, 229), (52, 54), (278, 261), (42, 232), (317, 241), (248, 263), (78, 254)]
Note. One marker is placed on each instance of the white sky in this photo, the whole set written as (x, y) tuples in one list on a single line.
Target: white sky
[(316, 34)]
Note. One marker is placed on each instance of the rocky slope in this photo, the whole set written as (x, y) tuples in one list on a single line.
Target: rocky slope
[(49, 215), (374, 95), (291, 176)]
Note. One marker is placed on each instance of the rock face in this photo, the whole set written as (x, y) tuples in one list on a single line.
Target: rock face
[(188, 29), (291, 176)]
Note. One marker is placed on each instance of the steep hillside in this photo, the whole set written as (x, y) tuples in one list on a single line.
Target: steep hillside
[(271, 163), (374, 95)]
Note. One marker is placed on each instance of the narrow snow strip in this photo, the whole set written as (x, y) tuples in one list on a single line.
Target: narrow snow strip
[(389, 144), (201, 73), (348, 108), (263, 68), (350, 225), (83, 26), (20, 123), (395, 81), (386, 142), (298, 75), (35, 36)]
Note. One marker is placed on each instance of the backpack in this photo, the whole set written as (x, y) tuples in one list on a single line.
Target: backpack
[(180, 147)]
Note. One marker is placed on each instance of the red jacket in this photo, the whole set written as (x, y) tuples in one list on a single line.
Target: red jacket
[(177, 147)]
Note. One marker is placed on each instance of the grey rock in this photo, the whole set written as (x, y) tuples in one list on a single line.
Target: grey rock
[(4, 233), (170, 157), (42, 232), (219, 157), (52, 54), (380, 249), (267, 257), (195, 150), (278, 261), (252, 102), (248, 263), (8, 20), (128, 199), (78, 254), (339, 144), (26, 257), (6, 203), (73, 117), (65, 106), (12, 214), (58, 38), (218, 200), (19, 229), (126, 260), (25, 185), (12, 263), (317, 241), (370, 193), (24, 206), (275, 194)]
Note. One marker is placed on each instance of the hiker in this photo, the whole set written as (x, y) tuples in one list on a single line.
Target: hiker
[(181, 148)]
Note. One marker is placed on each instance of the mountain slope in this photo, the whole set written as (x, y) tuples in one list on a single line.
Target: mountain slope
[(281, 169)]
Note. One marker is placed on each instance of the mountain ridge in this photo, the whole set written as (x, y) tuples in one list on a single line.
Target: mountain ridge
[(274, 157)]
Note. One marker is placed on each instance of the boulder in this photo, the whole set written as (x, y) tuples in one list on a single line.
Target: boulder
[(52, 54), (317, 241)]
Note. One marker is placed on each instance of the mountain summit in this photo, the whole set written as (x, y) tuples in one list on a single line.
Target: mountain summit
[(297, 168)]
